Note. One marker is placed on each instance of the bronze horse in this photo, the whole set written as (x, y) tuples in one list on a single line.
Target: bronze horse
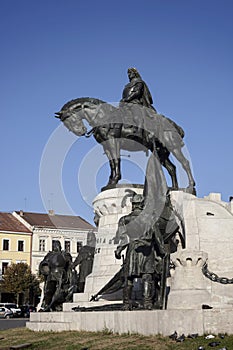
[(116, 128)]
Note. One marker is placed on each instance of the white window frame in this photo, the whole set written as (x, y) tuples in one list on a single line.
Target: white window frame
[(6, 239), (42, 239), (68, 241), (21, 240), (4, 261)]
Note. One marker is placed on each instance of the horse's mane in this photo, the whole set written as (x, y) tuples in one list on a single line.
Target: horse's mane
[(70, 103)]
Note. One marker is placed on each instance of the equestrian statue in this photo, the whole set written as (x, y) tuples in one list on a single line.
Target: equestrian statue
[(133, 125)]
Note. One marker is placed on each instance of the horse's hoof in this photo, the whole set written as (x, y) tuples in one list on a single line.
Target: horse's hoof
[(174, 188), (108, 186), (112, 182), (191, 189)]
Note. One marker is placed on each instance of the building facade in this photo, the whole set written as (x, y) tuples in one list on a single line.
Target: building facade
[(71, 231), (15, 242)]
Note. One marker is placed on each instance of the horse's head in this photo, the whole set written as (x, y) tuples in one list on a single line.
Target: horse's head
[(72, 119), (73, 113)]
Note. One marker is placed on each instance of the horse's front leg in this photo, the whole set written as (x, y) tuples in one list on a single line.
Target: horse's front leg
[(112, 150), (117, 159), (112, 171), (111, 164)]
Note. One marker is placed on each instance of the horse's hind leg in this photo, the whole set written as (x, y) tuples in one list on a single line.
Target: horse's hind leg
[(186, 166), (169, 166)]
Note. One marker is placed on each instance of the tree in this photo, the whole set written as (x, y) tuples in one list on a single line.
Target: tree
[(18, 279)]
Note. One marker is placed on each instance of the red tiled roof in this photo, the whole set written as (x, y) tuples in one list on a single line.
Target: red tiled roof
[(9, 223), (55, 221)]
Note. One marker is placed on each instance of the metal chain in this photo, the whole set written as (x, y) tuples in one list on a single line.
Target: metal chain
[(214, 277)]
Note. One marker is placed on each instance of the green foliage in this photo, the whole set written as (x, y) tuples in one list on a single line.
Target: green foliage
[(18, 278)]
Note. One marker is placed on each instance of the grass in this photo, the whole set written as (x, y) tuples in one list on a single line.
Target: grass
[(105, 340)]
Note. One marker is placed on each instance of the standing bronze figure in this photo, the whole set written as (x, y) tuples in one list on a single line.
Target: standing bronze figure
[(85, 261), (56, 269), (143, 258)]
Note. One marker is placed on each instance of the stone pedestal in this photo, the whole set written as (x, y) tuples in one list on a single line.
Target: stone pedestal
[(108, 205), (189, 287), (208, 225), (208, 228)]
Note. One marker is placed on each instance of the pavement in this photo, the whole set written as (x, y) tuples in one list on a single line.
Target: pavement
[(12, 323)]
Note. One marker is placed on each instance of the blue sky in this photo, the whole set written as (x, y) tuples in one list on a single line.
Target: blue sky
[(54, 51)]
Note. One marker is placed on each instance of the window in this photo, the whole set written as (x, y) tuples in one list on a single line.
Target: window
[(5, 244), (20, 246), (42, 245), (4, 267), (67, 246), (79, 246)]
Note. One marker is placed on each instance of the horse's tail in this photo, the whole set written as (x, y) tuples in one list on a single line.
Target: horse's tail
[(177, 127)]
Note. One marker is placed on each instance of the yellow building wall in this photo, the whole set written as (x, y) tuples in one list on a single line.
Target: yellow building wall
[(13, 254)]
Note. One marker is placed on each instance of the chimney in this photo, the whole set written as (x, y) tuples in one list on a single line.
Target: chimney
[(21, 213), (51, 212)]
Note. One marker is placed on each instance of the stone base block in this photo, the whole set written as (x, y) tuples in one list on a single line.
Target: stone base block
[(153, 322), (218, 321), (142, 322), (188, 299)]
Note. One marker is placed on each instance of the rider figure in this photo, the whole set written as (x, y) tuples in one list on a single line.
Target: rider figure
[(137, 94), (136, 91)]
